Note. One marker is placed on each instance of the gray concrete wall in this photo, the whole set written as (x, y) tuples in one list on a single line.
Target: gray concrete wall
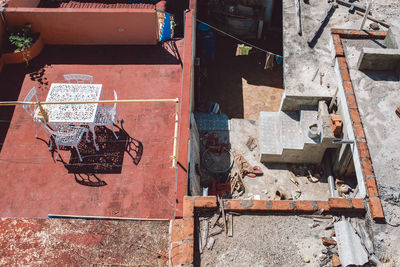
[(378, 59)]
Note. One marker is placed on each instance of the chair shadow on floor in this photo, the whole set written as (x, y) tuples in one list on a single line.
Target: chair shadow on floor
[(108, 160)]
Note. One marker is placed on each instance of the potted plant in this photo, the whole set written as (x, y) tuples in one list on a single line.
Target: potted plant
[(22, 46)]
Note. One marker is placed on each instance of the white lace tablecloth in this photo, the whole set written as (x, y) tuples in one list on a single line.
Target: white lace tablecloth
[(73, 113)]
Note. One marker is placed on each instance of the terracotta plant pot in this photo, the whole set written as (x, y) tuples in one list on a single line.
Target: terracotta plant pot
[(19, 57)]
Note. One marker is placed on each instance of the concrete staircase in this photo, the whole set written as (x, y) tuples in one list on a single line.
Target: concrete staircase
[(283, 135)]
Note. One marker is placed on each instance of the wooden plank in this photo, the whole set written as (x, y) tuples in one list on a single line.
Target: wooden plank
[(230, 225), (366, 14), (321, 24)]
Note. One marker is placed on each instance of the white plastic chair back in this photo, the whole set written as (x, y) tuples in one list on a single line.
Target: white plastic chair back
[(78, 78)]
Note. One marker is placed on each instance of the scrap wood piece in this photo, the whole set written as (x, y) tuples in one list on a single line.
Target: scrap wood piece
[(221, 206), (204, 233), (351, 5), (383, 23), (210, 243), (214, 219), (230, 225), (317, 32), (366, 14), (293, 178), (215, 231)]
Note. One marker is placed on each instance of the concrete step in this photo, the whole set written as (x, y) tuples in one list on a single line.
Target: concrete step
[(291, 134), (308, 116), (269, 133)]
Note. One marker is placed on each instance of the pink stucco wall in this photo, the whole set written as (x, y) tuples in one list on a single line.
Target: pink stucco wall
[(88, 26), (23, 3)]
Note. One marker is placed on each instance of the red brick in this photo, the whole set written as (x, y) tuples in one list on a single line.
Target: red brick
[(339, 50), (358, 131), (177, 230), (338, 31), (176, 254), (188, 229), (336, 38), (205, 202), (257, 205), (305, 206), (342, 62), (345, 74), (376, 210), (233, 205), (351, 101), (322, 205), (354, 33), (363, 149), (281, 205), (355, 115), (188, 208), (357, 204), (339, 203), (366, 165), (371, 187), (187, 253), (336, 261), (348, 87)]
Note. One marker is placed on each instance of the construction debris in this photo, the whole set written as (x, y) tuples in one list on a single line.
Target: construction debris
[(351, 251), (317, 32), (383, 23), (221, 206), (204, 233), (327, 241), (230, 225), (210, 243)]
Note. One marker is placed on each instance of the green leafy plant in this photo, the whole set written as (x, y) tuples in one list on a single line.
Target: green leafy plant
[(22, 40)]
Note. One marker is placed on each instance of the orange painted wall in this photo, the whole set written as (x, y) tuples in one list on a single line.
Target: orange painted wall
[(23, 3), (88, 26)]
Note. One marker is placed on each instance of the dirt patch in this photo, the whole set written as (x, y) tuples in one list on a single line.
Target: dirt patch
[(268, 241)]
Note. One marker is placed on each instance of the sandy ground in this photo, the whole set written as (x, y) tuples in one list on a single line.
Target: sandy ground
[(268, 240)]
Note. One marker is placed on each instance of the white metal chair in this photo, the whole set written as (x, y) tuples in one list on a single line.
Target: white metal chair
[(107, 115), (66, 135), (78, 78), (30, 109)]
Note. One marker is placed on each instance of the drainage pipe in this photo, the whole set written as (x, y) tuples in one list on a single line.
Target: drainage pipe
[(331, 179)]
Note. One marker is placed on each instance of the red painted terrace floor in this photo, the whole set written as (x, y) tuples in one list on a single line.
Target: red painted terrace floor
[(128, 177)]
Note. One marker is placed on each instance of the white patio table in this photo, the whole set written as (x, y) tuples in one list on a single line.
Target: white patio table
[(75, 114)]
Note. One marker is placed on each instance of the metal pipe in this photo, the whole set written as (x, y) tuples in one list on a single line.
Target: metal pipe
[(175, 148), (15, 103), (331, 179)]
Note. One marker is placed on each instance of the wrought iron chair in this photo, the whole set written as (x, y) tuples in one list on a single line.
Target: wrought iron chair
[(107, 115), (66, 135), (78, 78), (30, 109)]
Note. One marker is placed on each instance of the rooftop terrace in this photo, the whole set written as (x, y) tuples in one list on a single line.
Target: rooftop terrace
[(128, 177)]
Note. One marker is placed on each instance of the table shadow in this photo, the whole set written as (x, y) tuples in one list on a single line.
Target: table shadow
[(108, 160)]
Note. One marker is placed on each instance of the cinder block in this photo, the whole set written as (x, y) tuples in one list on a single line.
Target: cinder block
[(378, 59)]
